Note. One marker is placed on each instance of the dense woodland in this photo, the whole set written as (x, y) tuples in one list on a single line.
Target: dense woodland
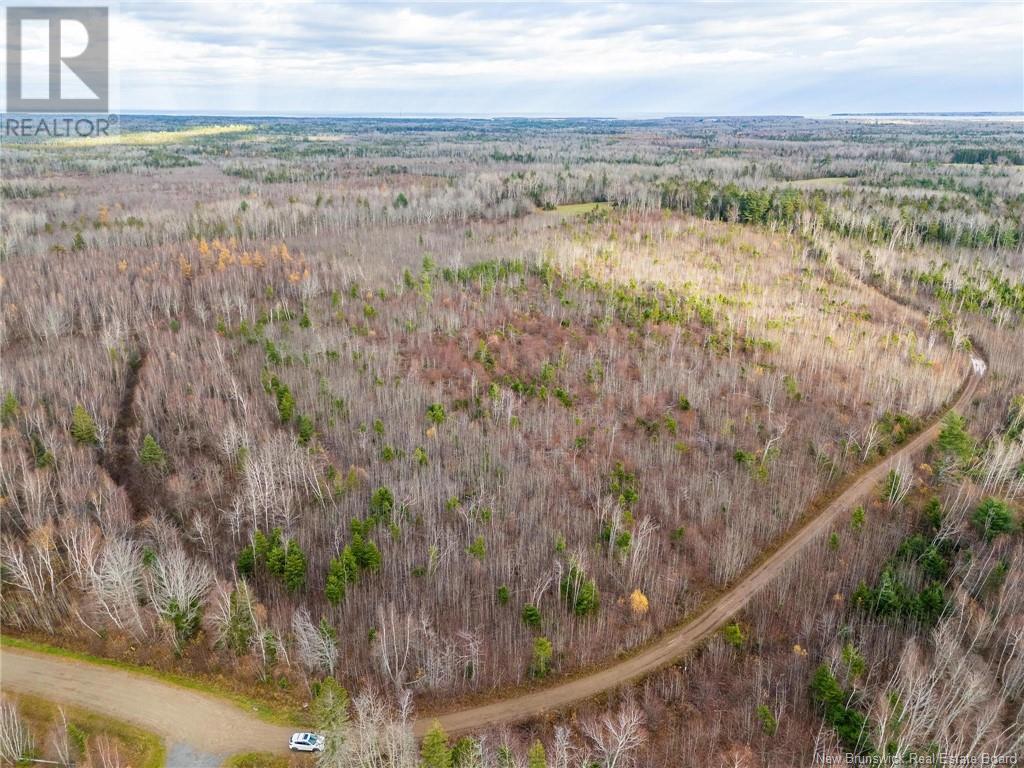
[(421, 411)]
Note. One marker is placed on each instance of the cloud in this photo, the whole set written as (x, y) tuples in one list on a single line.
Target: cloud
[(568, 58)]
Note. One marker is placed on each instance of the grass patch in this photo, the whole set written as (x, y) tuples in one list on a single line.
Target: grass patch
[(145, 138), (271, 713), (256, 760), (141, 748), (823, 182), (576, 209)]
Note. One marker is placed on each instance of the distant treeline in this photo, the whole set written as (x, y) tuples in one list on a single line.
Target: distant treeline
[(782, 206), (976, 155)]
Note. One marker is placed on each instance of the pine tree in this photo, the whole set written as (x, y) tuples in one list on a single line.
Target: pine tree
[(954, 439), (151, 454), (9, 409), (294, 567), (537, 757), (246, 561), (83, 428), (434, 751), (993, 517), (240, 627), (365, 552), (306, 429), (275, 554), (330, 706), (285, 403), (382, 503), (342, 570)]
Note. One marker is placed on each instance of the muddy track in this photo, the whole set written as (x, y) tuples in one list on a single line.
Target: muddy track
[(118, 458)]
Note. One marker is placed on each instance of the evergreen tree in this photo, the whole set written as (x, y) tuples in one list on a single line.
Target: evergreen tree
[(247, 561), (434, 751), (342, 570), (542, 653), (285, 402), (306, 429), (240, 629), (330, 704), (579, 592), (275, 554), (954, 439), (382, 503), (294, 567), (992, 517), (531, 615), (365, 552), (9, 409), (83, 428), (151, 454), (537, 757)]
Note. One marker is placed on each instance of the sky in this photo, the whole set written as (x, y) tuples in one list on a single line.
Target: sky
[(566, 59)]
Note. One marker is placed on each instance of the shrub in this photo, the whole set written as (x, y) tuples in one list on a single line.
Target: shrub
[(436, 413), (791, 388), (419, 455), (503, 594), (478, 548), (542, 653), (733, 634), (623, 485)]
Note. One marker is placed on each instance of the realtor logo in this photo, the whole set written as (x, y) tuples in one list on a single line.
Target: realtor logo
[(58, 59)]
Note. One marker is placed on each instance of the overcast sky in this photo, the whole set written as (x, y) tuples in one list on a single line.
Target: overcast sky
[(589, 58)]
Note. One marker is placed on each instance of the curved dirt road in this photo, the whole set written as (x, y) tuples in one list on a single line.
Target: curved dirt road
[(220, 727)]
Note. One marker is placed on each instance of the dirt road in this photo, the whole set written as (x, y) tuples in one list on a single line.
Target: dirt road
[(218, 726)]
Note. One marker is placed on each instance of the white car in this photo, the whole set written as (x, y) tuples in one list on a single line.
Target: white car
[(306, 742)]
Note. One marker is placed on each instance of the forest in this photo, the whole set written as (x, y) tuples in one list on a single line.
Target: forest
[(380, 418)]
